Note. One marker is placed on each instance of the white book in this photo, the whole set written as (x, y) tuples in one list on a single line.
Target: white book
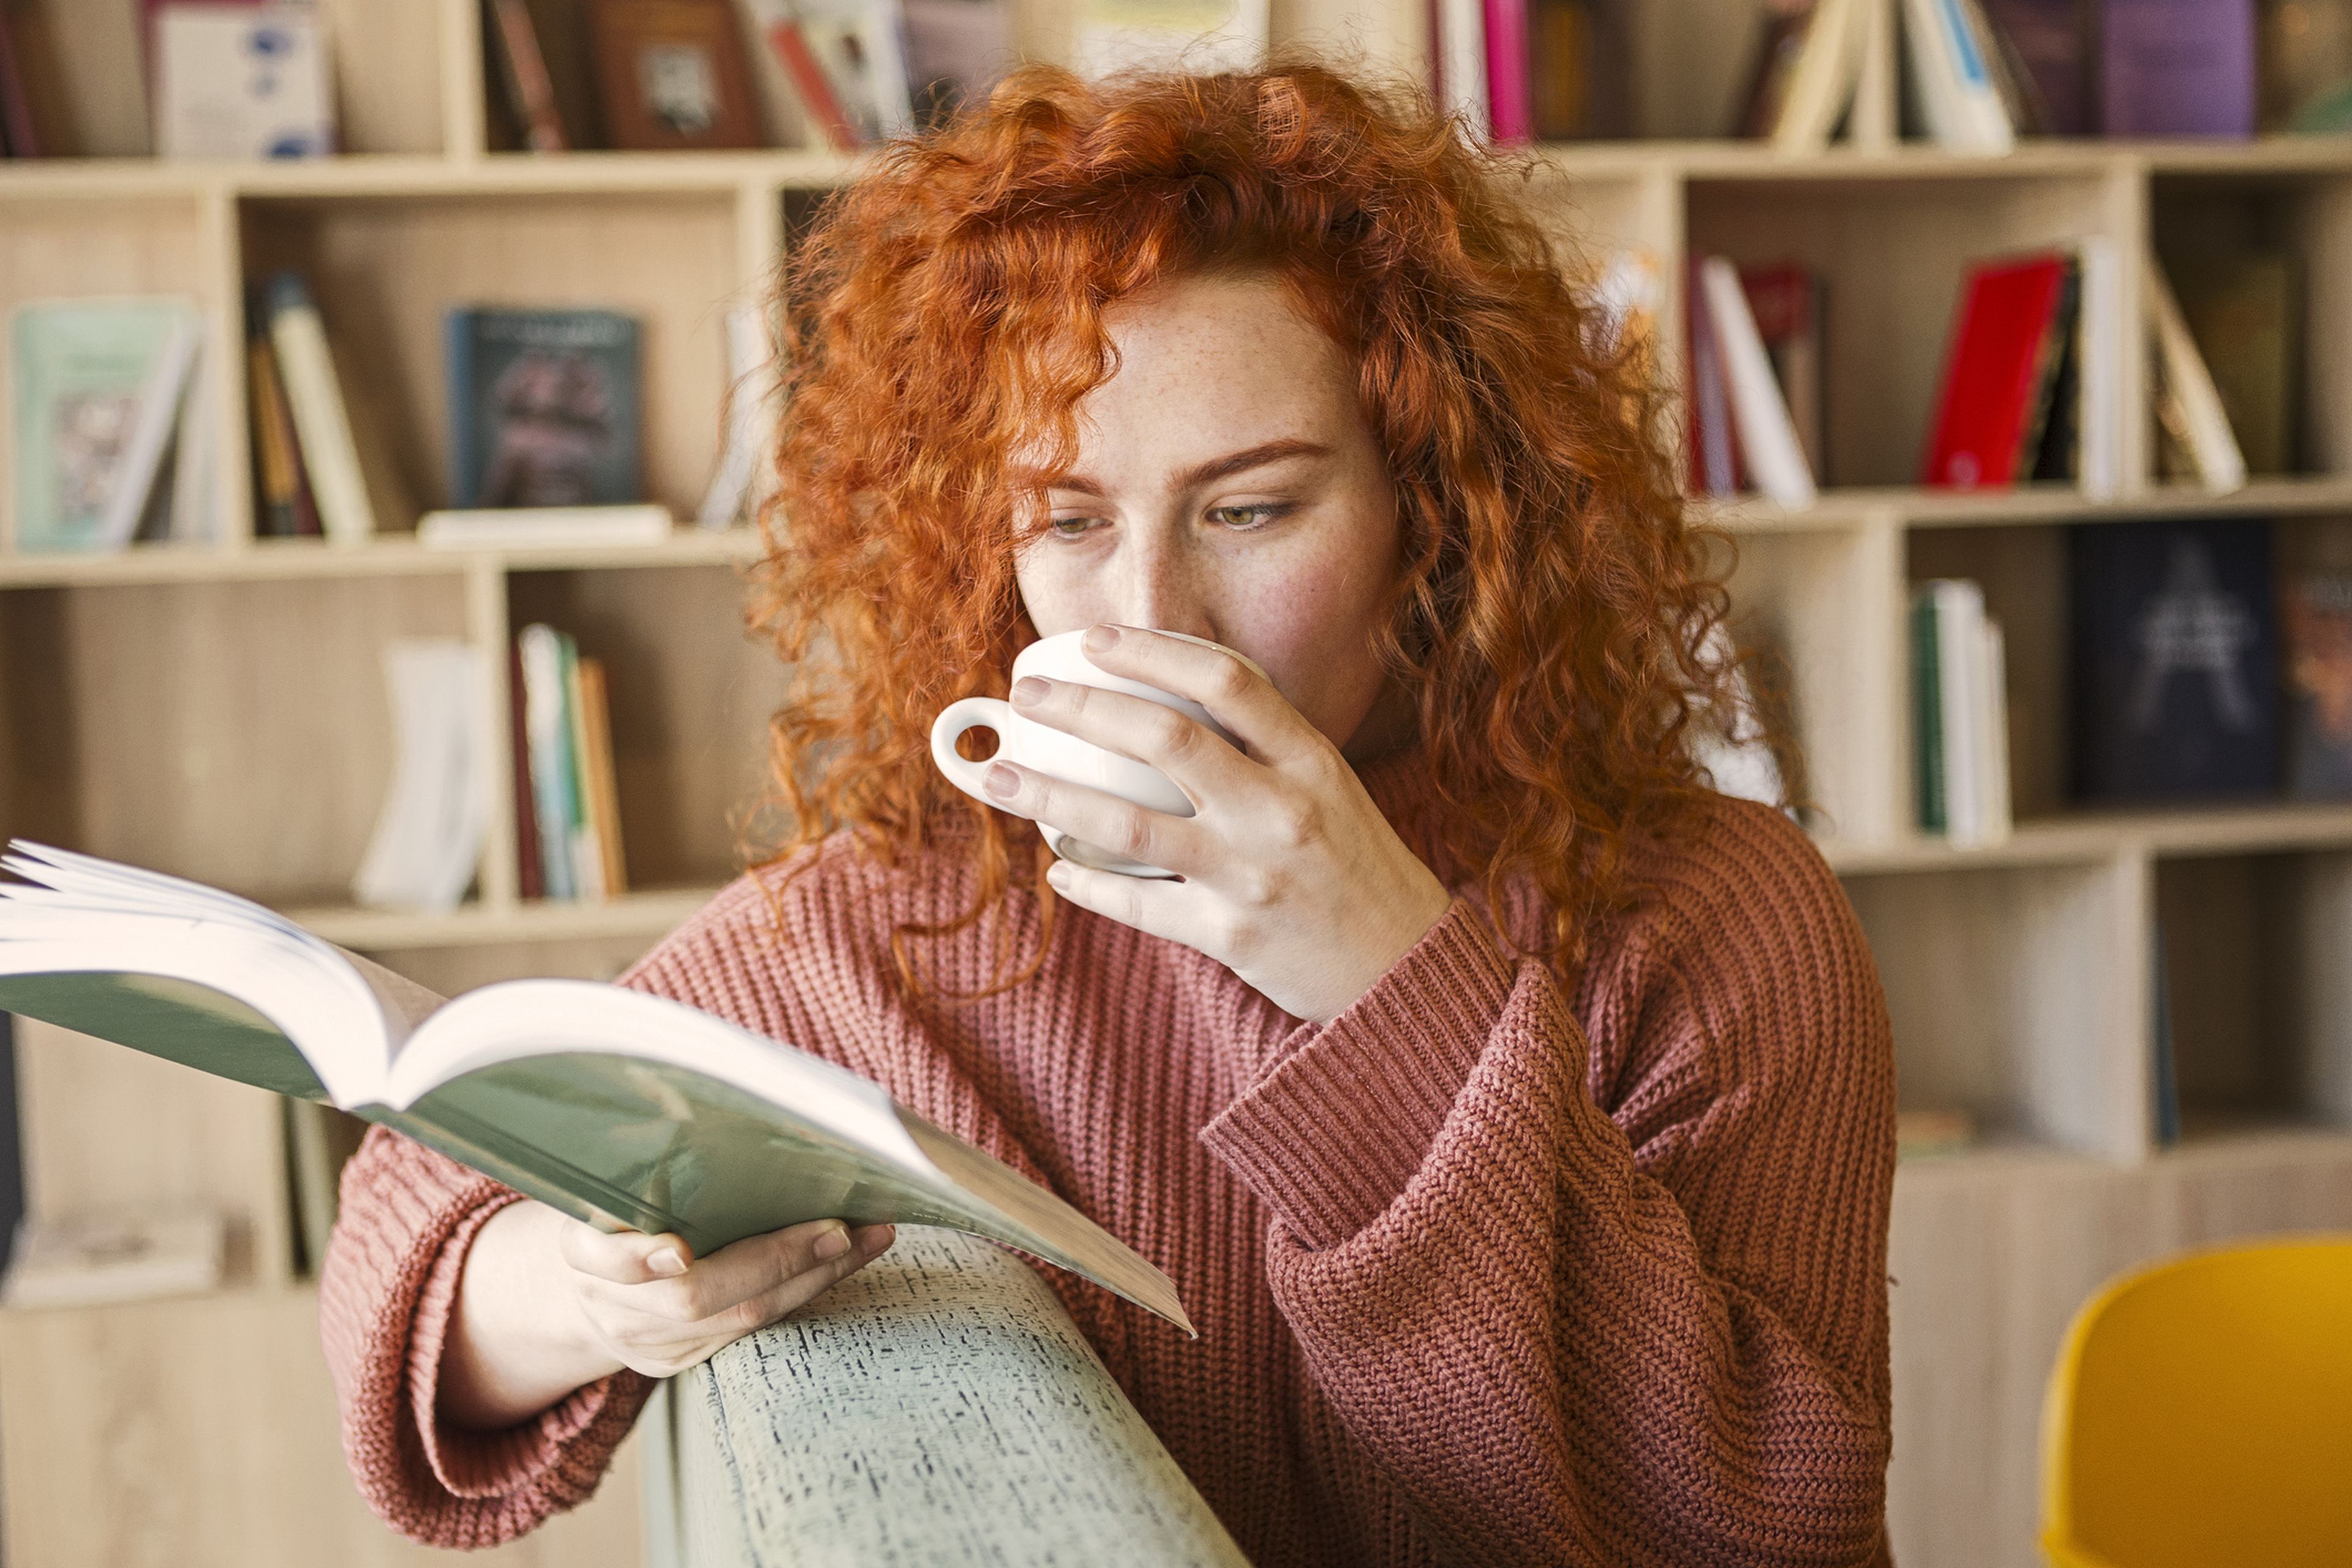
[(735, 490), (133, 485), (1462, 65), (428, 835), (2187, 398), (91, 1259), (620, 1109), (545, 528), (1768, 437), (858, 46), (547, 736), (196, 456), (1959, 664), (1991, 680), (1827, 69), (323, 425), (243, 82), (1953, 71), (2102, 345)]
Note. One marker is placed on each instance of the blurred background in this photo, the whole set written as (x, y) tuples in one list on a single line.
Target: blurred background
[(378, 374)]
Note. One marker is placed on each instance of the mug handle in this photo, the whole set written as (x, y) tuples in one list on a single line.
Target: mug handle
[(969, 713)]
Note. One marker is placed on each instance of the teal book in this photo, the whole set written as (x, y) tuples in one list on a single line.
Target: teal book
[(626, 1110), (78, 373)]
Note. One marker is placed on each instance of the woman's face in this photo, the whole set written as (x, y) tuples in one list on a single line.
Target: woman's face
[(1226, 485)]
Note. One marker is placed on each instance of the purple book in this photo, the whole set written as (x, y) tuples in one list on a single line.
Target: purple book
[(2052, 39), (2178, 67)]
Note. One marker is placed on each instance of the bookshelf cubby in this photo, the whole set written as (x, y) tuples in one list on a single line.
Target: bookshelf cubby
[(219, 710)]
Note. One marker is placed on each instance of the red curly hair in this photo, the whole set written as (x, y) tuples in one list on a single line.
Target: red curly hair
[(1551, 608)]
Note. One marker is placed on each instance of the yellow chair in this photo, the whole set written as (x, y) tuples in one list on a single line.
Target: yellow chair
[(2200, 1415)]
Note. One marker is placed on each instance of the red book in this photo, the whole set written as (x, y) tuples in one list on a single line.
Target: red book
[(1510, 105), (523, 68), (1995, 372), (799, 63)]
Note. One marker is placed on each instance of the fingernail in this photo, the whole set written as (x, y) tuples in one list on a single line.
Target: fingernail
[(1099, 639), (1001, 782), (667, 1263), (833, 1242), (1029, 690), (876, 1239)]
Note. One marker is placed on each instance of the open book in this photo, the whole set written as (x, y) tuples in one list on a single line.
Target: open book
[(623, 1109)]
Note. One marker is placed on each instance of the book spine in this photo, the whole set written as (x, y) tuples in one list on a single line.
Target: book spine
[(2178, 68), (524, 71), (277, 482), (543, 665), (1509, 110), (586, 857), (530, 882), (1960, 629), (598, 771), (1462, 37), (132, 484), (819, 102), (1926, 714), (196, 456), (320, 421), (466, 451), (1991, 680), (1767, 439), (16, 132)]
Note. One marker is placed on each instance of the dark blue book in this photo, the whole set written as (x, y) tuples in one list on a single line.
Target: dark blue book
[(2175, 661), (544, 409)]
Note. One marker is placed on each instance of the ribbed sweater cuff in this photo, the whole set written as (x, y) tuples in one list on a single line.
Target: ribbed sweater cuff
[(1330, 1133), (487, 1464)]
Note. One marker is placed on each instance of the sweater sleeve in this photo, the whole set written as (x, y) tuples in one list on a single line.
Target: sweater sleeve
[(1633, 1315), (386, 1289)]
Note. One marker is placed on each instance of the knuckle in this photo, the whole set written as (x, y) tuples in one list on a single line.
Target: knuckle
[(1134, 835), (1296, 823), (1172, 734), (1232, 679)]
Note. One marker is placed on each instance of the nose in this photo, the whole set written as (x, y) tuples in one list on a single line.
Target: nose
[(1161, 586)]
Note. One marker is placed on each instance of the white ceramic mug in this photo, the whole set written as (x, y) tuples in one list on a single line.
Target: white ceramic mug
[(1060, 755)]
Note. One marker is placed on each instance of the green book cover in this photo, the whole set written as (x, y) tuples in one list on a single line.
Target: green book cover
[(1926, 714), (626, 1110), (76, 371)]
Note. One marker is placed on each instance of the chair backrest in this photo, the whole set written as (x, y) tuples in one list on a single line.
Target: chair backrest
[(2201, 1412)]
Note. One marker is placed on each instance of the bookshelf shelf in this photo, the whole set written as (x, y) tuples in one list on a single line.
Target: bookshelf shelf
[(2018, 976)]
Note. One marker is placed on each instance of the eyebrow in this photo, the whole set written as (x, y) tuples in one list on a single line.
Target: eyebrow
[(1200, 474)]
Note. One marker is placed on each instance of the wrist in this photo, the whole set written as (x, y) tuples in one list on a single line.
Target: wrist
[(518, 1339)]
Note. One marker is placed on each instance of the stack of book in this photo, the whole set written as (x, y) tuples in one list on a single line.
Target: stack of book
[(308, 478), (567, 799), (1959, 708)]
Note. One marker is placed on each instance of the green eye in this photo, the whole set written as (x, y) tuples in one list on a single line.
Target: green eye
[(1257, 514), (1071, 527)]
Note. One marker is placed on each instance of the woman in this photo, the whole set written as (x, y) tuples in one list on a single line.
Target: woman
[(1514, 1114)]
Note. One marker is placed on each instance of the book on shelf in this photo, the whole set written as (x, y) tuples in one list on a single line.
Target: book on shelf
[(543, 406), (321, 418), (1511, 107), (101, 392), (857, 46), (671, 74), (2028, 390), (738, 482), (2164, 1056), (2195, 438), (428, 833), (790, 57), (2176, 67), (1580, 69), (567, 755), (2306, 57), (1713, 456), (528, 87), (1790, 304), (1961, 709), (284, 507), (2175, 667), (243, 82), (20, 138), (99, 1258), (2242, 310), (956, 50), (546, 528), (1808, 65), (619, 1109), (2315, 638), (1769, 448), (1950, 56), (2051, 43), (1458, 64), (531, 880)]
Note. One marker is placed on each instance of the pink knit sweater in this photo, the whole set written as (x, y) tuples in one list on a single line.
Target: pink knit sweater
[(1488, 1270)]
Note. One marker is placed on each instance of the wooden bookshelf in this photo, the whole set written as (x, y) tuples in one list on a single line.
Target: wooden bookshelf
[(219, 711)]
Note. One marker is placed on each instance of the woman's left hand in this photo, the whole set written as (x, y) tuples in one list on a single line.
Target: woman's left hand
[(1292, 878)]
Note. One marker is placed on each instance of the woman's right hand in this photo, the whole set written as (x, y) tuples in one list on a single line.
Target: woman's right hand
[(547, 1304)]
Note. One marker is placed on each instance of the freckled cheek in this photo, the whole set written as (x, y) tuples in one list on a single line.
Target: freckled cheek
[(1311, 626)]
